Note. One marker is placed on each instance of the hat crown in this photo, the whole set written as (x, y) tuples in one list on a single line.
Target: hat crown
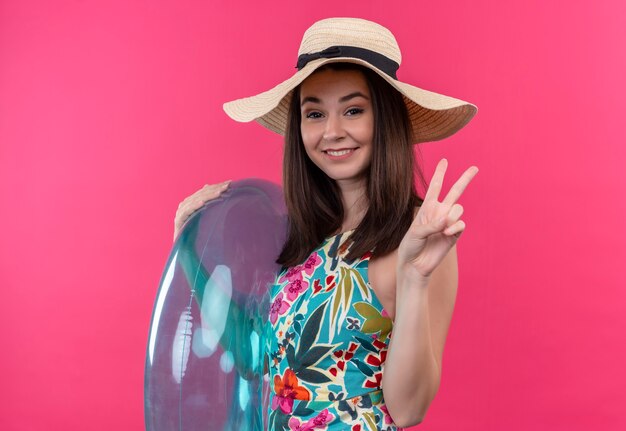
[(350, 32)]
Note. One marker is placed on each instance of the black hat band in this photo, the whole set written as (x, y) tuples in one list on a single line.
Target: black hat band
[(376, 59)]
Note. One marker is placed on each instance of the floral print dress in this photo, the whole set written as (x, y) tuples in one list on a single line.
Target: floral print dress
[(327, 342)]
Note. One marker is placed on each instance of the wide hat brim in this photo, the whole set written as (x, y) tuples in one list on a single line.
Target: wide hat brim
[(433, 116)]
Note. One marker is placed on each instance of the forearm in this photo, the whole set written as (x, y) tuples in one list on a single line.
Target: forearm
[(411, 374)]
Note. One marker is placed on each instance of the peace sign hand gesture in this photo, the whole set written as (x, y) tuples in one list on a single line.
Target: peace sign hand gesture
[(436, 227)]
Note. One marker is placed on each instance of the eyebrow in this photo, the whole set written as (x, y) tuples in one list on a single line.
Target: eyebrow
[(341, 100)]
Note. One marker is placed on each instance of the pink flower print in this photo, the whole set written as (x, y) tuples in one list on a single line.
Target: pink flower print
[(294, 273), (296, 425), (294, 288), (278, 307), (318, 422), (311, 263), (388, 419), (321, 419)]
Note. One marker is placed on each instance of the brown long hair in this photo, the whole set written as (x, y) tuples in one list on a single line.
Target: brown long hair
[(314, 200)]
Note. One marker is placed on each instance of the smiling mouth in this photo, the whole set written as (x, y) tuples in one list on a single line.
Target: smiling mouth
[(338, 153)]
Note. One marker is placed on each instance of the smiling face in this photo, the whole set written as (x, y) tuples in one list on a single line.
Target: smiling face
[(337, 123)]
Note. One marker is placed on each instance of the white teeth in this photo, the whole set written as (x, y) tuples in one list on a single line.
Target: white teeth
[(338, 153)]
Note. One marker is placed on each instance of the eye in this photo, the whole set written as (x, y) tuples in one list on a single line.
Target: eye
[(355, 111), (313, 115)]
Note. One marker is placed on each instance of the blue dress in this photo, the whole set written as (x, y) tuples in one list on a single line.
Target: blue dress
[(327, 341)]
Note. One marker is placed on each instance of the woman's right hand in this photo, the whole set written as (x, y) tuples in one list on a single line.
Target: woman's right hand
[(194, 202)]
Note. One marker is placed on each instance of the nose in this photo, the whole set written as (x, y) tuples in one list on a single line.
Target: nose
[(334, 129)]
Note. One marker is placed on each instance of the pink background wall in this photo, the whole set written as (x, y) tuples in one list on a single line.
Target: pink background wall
[(110, 114)]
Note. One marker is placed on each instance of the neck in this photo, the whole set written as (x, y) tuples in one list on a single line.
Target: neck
[(354, 202)]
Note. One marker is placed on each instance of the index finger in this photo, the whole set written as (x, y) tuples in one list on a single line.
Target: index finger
[(459, 187), (434, 188)]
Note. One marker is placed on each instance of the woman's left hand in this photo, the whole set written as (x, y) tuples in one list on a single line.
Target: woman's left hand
[(436, 227)]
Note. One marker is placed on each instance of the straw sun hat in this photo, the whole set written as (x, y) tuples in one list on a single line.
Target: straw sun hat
[(353, 40)]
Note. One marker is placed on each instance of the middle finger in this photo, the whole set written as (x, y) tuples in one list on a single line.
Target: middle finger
[(459, 187)]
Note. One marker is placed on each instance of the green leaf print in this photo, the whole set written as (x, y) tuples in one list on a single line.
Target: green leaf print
[(374, 323), (297, 327), (311, 330), (302, 410), (366, 344), (365, 369), (313, 355), (298, 304), (278, 421), (370, 421), (366, 310), (379, 324), (291, 358), (311, 376), (365, 292), (342, 296)]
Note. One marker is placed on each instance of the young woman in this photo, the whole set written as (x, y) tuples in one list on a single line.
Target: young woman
[(365, 257)]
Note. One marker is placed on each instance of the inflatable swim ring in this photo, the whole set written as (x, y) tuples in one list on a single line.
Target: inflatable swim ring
[(204, 362)]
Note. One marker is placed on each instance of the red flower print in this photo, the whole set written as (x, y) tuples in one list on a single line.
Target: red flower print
[(374, 360), (375, 381), (286, 390), (294, 288), (317, 286), (278, 307), (330, 282), (379, 344)]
